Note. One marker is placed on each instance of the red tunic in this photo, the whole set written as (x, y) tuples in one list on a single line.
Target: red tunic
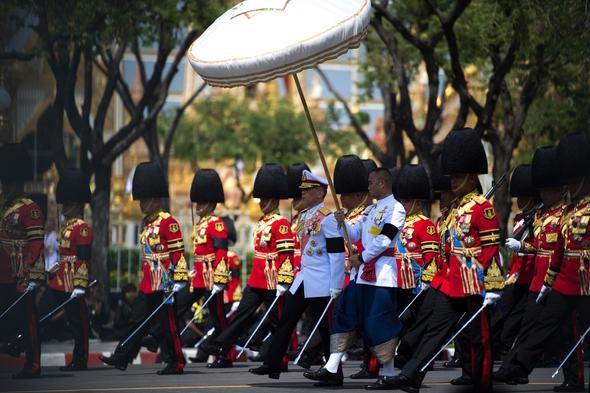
[(163, 259), (522, 263), (273, 253), (418, 244), (474, 262), (547, 243), (234, 288), (210, 257), (74, 240), (572, 271), (21, 241)]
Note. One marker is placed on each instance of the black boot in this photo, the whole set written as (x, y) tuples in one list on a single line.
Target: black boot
[(74, 367), (363, 373), (115, 360), (170, 370), (27, 373), (569, 387), (221, 363), (463, 380)]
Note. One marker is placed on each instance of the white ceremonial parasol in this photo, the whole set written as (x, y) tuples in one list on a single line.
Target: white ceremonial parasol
[(260, 40)]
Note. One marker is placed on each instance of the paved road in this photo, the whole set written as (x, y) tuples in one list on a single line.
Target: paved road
[(235, 380)]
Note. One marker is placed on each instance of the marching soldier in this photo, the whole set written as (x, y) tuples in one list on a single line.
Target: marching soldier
[(164, 270), (272, 263), (566, 283), (474, 271), (22, 269), (211, 265), (417, 247), (70, 278), (373, 300), (434, 274), (545, 244), (506, 321), (320, 278)]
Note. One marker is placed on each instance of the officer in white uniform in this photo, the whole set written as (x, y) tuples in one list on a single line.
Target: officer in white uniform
[(321, 276), (376, 279)]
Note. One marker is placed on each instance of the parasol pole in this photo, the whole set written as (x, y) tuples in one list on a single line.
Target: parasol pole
[(322, 158)]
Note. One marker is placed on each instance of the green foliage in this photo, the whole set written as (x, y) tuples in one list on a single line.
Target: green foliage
[(225, 127)]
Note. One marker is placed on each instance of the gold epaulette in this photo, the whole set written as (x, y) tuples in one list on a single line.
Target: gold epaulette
[(221, 273), (493, 279), (286, 273), (325, 211), (164, 215), (479, 199)]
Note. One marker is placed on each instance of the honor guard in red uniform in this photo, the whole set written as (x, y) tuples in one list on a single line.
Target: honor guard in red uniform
[(22, 269), (507, 319), (210, 265), (474, 272), (566, 286), (546, 242), (164, 270), (69, 276), (417, 247), (272, 265), (434, 274)]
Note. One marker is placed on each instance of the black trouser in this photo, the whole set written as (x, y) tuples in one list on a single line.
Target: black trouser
[(557, 309), (166, 317), (507, 319), (295, 306), (245, 315), (440, 326), (77, 318), (413, 336), (23, 319)]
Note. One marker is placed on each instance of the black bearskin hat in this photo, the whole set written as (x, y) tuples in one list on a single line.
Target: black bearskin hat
[(73, 187), (413, 183), (350, 175), (149, 182), (370, 165), (207, 187), (521, 182), (440, 182), (463, 152), (394, 176), (573, 153), (15, 163), (232, 234), (294, 172), (270, 182), (545, 168)]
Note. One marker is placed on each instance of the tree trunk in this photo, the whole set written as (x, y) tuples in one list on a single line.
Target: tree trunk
[(100, 221), (502, 199)]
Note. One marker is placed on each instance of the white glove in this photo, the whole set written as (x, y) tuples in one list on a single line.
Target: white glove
[(32, 286), (491, 298), (78, 292), (513, 244), (544, 291), (178, 286), (281, 289), (334, 292), (234, 307), (217, 288), (424, 285)]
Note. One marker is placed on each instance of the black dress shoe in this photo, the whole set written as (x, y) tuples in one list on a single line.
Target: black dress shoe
[(170, 370), (27, 373), (363, 374), (453, 363), (212, 349), (569, 387), (265, 370), (463, 380), (115, 361), (382, 383), (325, 377), (74, 367), (220, 363), (400, 382)]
